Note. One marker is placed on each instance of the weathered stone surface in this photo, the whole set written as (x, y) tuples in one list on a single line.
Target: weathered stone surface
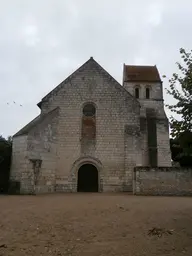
[(162, 181)]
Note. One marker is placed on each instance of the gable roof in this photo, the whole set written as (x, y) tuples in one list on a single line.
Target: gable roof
[(37, 120), (141, 73), (90, 61)]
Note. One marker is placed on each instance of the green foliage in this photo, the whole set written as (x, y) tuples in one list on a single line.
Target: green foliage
[(176, 149), (181, 149), (181, 90), (5, 162)]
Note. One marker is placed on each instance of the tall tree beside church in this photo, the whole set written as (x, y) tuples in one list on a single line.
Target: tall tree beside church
[(181, 90)]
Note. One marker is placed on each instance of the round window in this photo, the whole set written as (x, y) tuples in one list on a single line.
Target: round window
[(89, 110)]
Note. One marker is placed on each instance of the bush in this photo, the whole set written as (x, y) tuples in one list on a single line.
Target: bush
[(5, 163)]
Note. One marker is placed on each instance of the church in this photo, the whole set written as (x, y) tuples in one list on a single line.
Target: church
[(92, 132)]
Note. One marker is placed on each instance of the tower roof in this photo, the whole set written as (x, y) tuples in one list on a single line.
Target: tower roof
[(141, 73)]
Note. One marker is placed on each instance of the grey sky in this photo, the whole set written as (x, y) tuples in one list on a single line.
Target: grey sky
[(43, 41)]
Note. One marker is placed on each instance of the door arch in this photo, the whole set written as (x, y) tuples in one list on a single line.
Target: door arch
[(88, 180)]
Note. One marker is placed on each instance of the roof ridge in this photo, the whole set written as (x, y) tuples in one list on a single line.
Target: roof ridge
[(64, 81), (128, 65), (114, 80), (91, 59)]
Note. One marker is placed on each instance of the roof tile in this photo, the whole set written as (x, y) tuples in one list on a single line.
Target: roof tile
[(141, 73)]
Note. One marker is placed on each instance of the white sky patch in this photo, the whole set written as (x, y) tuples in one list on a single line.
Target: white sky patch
[(154, 13), (67, 65), (31, 35), (73, 10), (139, 61), (31, 30), (63, 62), (54, 42), (74, 15)]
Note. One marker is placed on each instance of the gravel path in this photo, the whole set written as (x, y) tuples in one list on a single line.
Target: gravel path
[(95, 224)]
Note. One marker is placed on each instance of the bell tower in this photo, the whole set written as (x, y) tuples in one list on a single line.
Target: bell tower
[(145, 84)]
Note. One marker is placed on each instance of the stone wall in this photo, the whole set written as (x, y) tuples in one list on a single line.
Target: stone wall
[(162, 181), (42, 146), (19, 162), (38, 145)]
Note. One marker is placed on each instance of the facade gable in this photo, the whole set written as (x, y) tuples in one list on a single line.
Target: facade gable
[(91, 64)]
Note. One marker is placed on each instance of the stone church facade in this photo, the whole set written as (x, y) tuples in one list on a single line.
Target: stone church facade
[(92, 132)]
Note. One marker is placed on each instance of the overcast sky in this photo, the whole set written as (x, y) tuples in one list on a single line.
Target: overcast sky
[(43, 41)]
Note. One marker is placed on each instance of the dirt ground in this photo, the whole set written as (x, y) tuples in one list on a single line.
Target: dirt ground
[(94, 224)]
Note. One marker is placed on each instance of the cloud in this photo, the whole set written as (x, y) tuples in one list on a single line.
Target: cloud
[(42, 42), (31, 35), (154, 14)]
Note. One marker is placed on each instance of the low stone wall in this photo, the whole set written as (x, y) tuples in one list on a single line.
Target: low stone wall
[(162, 181)]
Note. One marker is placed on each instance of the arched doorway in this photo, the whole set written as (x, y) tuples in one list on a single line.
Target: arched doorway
[(87, 178)]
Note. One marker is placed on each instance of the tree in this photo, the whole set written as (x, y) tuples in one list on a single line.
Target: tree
[(5, 162), (181, 90), (181, 149)]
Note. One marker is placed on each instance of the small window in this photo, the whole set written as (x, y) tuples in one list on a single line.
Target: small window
[(89, 110), (147, 93), (137, 93), (89, 122)]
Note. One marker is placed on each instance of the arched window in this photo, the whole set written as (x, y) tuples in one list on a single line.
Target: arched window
[(147, 93), (137, 92), (89, 121)]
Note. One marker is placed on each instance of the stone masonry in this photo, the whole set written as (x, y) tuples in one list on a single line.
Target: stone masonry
[(162, 181), (120, 133)]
